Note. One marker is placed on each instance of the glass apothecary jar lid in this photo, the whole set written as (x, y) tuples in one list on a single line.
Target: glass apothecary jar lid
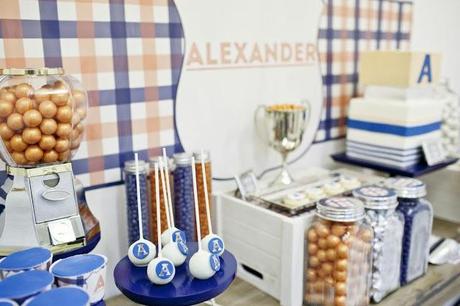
[(375, 197), (130, 166), (183, 158), (408, 188), (341, 209)]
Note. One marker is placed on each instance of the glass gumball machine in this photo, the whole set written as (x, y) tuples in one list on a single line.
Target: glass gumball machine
[(42, 112)]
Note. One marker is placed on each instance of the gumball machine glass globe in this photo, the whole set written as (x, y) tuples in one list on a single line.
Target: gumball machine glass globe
[(42, 114)]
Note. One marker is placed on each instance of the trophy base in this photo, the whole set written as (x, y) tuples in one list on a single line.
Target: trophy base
[(284, 178)]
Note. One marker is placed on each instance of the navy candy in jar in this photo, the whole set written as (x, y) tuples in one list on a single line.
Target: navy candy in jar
[(183, 195), (131, 199), (388, 225), (339, 254), (418, 221)]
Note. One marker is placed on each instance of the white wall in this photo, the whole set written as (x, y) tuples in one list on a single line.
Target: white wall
[(436, 27)]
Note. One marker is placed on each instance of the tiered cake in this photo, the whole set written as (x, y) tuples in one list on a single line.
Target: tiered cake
[(399, 110)]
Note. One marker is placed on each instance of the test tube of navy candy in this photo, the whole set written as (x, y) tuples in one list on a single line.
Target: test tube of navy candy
[(161, 270)]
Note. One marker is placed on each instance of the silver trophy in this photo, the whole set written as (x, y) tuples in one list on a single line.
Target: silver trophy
[(282, 127)]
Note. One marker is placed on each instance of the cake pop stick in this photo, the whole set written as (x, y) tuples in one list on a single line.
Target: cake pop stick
[(176, 250), (141, 252), (211, 242), (161, 270), (203, 264), (172, 233)]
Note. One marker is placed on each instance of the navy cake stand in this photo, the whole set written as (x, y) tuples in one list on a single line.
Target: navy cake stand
[(183, 290)]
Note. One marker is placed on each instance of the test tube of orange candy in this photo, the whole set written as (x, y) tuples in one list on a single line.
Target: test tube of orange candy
[(338, 248), (205, 155), (41, 115)]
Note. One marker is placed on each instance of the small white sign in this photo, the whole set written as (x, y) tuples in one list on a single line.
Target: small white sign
[(247, 184), (61, 231), (434, 152)]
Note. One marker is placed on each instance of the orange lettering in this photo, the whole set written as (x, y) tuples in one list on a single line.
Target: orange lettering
[(286, 52), (256, 56), (194, 56), (209, 59), (225, 53)]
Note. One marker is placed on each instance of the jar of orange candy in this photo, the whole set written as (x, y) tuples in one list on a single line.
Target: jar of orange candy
[(338, 254)]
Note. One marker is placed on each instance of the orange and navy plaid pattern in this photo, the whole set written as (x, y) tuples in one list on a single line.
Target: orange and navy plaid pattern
[(348, 27), (128, 55)]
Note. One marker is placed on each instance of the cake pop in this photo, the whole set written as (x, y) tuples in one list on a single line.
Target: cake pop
[(161, 270), (202, 265), (176, 250), (211, 242), (172, 233), (141, 252)]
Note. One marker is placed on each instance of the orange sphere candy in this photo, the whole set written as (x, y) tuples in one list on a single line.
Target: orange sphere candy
[(64, 156), (17, 143), (48, 126), (32, 118), (342, 250), (338, 230), (62, 145), (321, 255), (19, 158), (8, 96), (322, 243), (331, 254), (314, 261), (340, 276), (48, 109), (340, 288), (312, 236), (341, 265), (340, 301), (34, 153), (15, 122), (24, 90), (50, 156), (42, 94), (6, 108), (327, 268), (47, 142), (311, 275), (322, 230), (79, 97), (60, 99), (31, 135), (5, 132), (312, 248), (23, 105), (64, 130), (64, 114), (332, 241)]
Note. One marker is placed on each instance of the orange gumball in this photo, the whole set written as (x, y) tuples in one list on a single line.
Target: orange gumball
[(17, 143), (8, 96), (62, 145), (50, 156), (42, 94), (34, 153), (47, 142), (5, 132), (64, 114), (60, 99), (23, 105), (64, 156), (15, 122), (19, 158), (24, 90), (6, 108), (48, 126), (31, 135), (48, 109), (32, 118), (64, 130)]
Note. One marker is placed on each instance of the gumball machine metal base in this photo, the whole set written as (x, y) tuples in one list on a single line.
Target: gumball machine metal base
[(41, 209)]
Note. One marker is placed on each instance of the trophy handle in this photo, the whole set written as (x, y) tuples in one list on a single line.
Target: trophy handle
[(259, 131), (308, 111)]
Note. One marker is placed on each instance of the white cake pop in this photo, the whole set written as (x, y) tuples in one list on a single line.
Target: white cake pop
[(213, 243), (176, 250), (203, 264), (161, 270), (141, 252)]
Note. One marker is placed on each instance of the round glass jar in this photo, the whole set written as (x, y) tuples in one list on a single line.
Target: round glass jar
[(41, 116), (388, 225), (418, 221), (338, 264)]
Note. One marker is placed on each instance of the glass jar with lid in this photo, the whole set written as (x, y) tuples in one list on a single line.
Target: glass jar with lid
[(418, 221), (339, 259), (41, 116), (388, 225)]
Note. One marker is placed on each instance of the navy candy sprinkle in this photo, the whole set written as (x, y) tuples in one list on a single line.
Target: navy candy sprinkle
[(131, 205), (183, 201)]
